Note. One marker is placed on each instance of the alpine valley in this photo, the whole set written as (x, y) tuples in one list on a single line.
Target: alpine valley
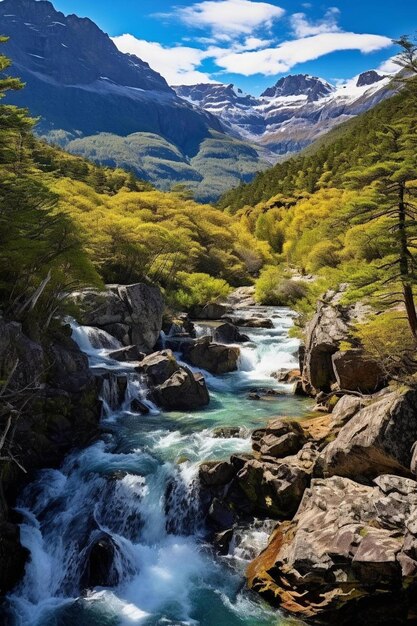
[(208, 411), (112, 107)]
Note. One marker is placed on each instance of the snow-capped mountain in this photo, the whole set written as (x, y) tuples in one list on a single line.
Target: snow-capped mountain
[(294, 112)]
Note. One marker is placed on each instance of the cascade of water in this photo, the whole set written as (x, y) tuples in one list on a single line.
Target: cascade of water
[(128, 492)]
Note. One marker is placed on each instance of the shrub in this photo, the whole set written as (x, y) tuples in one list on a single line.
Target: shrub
[(274, 289), (198, 289)]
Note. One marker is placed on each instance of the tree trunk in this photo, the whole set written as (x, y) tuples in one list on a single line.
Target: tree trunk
[(406, 275)]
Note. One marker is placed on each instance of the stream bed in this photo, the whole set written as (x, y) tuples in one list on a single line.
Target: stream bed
[(165, 572)]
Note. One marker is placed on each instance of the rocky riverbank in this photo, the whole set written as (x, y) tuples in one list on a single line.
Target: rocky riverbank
[(341, 486)]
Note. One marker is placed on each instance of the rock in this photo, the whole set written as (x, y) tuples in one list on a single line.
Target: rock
[(287, 376), (215, 473), (242, 297), (182, 391), (346, 408), (136, 308), (212, 311), (228, 432), (228, 333), (355, 372), (328, 328), (273, 489), (99, 568), (276, 429), (221, 514), (377, 440), (128, 353), (282, 446), (343, 559), (249, 322), (13, 556), (159, 366), (222, 541), (213, 357), (136, 406)]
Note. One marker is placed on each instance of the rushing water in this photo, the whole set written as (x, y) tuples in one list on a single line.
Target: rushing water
[(167, 575)]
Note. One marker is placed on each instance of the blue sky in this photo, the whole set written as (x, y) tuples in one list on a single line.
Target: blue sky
[(252, 42)]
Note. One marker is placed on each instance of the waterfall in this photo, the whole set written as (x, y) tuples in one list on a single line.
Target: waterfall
[(116, 535)]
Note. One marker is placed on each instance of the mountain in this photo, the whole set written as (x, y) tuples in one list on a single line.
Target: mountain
[(105, 104), (294, 112)]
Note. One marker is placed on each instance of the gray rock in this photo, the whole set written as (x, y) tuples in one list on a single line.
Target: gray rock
[(341, 548), (159, 366), (212, 311), (213, 357), (137, 308), (228, 333), (355, 372), (182, 391), (128, 353), (378, 439)]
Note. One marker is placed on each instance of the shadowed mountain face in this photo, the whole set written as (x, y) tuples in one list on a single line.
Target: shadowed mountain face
[(294, 112), (95, 100)]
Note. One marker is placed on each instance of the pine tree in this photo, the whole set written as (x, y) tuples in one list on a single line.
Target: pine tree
[(393, 177)]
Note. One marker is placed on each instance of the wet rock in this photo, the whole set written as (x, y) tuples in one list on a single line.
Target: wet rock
[(275, 429), (13, 556), (99, 569), (273, 489), (221, 514), (249, 322), (344, 557), (212, 311), (222, 541), (377, 440), (213, 357), (137, 307), (287, 376), (128, 353), (228, 432), (215, 473), (182, 391), (159, 366), (228, 333), (136, 406), (355, 372)]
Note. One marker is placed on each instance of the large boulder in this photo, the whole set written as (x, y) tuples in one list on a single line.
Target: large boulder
[(99, 568), (212, 311), (377, 439), (216, 473), (132, 313), (278, 439), (159, 366), (213, 357), (249, 322), (273, 489), (228, 333), (355, 372), (184, 390), (329, 327), (347, 557)]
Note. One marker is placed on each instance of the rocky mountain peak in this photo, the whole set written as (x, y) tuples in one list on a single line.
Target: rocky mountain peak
[(69, 49), (300, 85), (369, 78)]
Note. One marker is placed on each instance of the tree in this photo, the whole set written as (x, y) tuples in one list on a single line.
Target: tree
[(393, 178)]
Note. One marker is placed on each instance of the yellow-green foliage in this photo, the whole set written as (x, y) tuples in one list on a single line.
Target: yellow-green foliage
[(199, 289), (274, 288), (386, 336)]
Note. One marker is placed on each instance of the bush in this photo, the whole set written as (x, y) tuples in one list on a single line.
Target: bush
[(387, 339), (198, 289), (274, 289)]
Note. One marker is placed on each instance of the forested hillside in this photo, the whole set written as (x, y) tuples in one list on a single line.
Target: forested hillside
[(66, 222)]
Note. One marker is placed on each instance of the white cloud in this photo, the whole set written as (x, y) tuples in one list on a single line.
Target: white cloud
[(178, 64), (272, 61), (302, 27), (234, 17), (389, 66)]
